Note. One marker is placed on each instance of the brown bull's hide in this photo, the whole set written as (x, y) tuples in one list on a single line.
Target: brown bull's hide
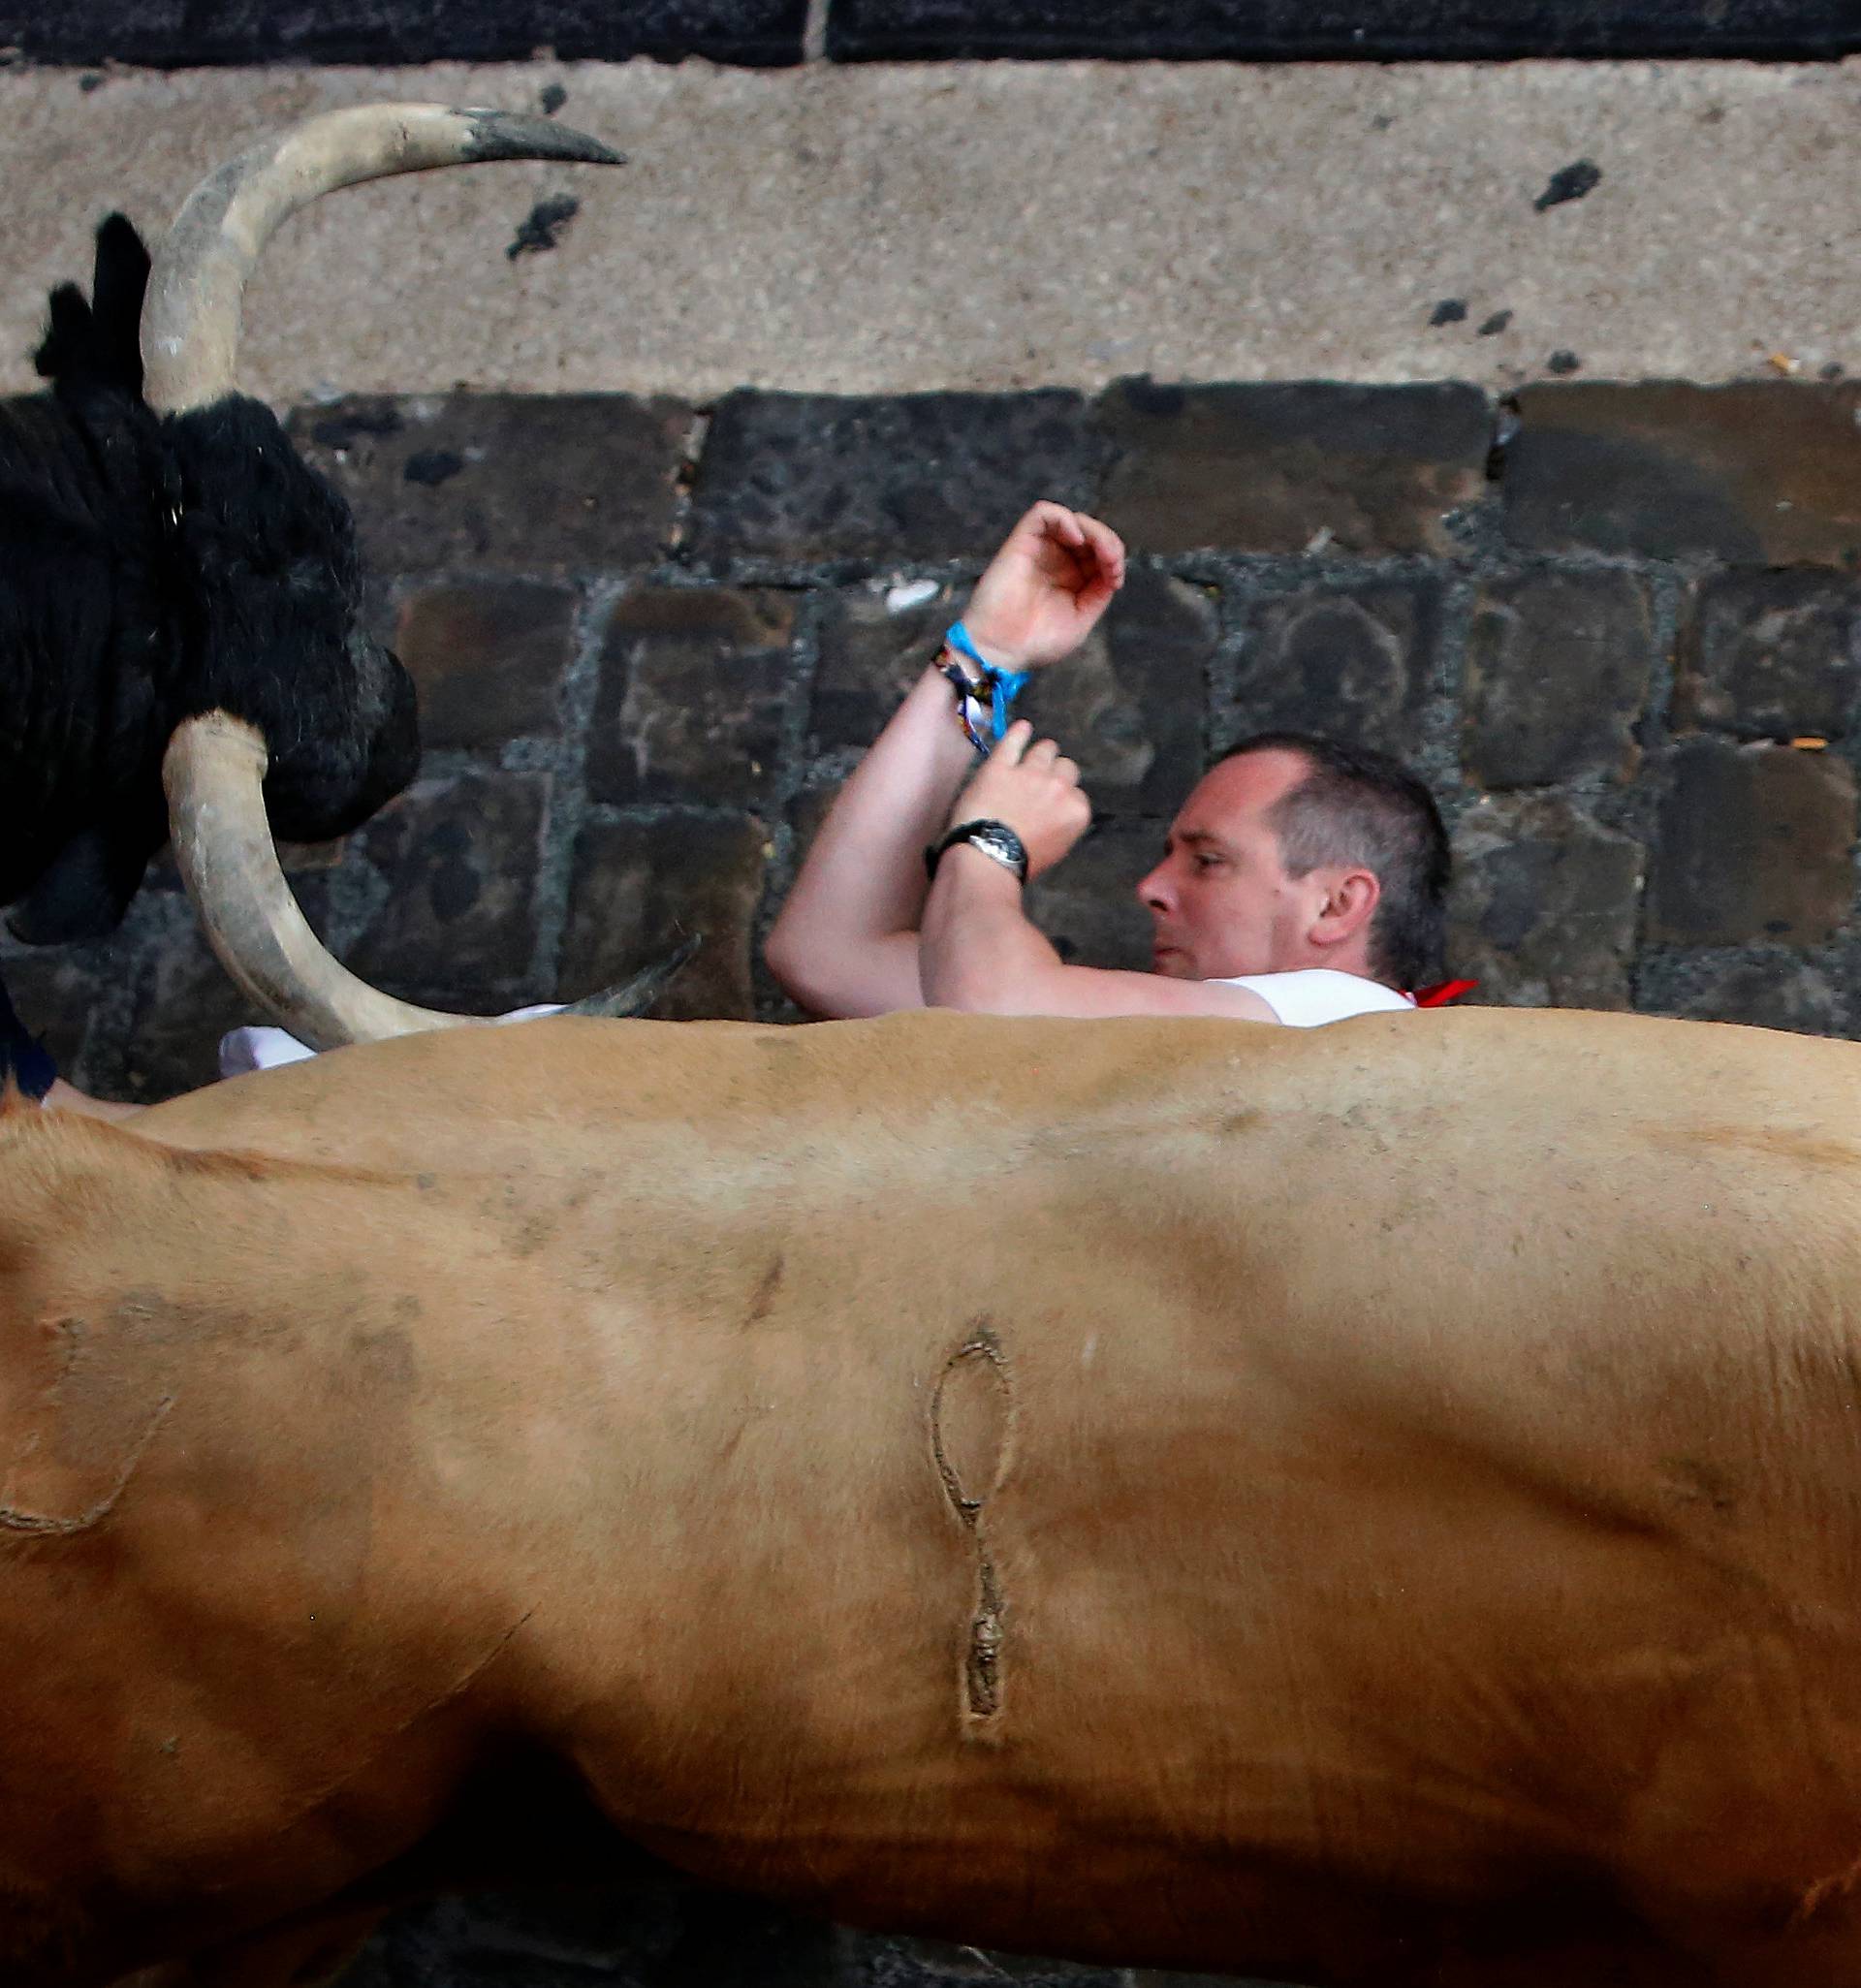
[(1377, 1505)]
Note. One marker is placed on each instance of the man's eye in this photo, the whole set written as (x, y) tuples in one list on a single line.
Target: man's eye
[(1205, 862)]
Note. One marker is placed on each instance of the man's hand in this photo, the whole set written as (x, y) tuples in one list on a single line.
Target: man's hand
[(1046, 588), (1036, 792)]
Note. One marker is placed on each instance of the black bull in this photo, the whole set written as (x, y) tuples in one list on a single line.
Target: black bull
[(152, 569)]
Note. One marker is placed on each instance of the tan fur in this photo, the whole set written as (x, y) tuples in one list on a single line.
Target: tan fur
[(1377, 1505)]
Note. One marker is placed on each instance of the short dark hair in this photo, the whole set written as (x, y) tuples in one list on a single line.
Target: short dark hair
[(1357, 805)]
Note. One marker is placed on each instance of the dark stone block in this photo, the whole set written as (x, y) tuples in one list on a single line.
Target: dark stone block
[(179, 34), (1128, 706), (457, 926), (872, 654), (1755, 842), (1351, 662), (1556, 675), (693, 683), (811, 477), (58, 992), (1768, 989), (1764, 473), (1088, 905), (184, 1005), (569, 483), (1770, 655), (640, 888), (1365, 470), (1543, 906), (1327, 30), (487, 658)]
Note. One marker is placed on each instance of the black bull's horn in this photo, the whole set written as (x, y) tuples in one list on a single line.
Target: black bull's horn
[(216, 765)]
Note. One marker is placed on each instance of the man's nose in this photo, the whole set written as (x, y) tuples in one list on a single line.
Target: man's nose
[(1153, 891)]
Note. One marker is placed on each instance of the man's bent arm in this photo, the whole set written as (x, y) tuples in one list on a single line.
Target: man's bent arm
[(846, 939), (845, 943), (979, 952)]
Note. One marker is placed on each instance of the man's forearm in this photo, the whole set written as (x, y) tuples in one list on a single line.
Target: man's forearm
[(977, 948)]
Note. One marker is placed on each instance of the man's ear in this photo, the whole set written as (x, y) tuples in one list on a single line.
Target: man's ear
[(1349, 903)]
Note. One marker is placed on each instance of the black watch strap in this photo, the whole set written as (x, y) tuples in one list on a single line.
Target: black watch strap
[(992, 838)]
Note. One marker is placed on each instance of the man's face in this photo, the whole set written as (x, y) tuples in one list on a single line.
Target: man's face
[(1221, 902)]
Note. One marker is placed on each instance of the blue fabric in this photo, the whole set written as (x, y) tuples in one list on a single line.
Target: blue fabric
[(1005, 684), (22, 1057)]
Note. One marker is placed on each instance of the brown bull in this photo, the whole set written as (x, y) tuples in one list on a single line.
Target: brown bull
[(1376, 1506)]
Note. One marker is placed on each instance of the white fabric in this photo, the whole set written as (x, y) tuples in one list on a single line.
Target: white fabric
[(263, 1048), (1316, 995)]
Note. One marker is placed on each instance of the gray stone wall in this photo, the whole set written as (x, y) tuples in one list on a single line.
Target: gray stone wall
[(1618, 627)]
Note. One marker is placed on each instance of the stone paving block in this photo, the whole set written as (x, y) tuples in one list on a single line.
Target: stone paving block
[(58, 991), (1128, 706), (807, 478), (1768, 989), (184, 1005), (537, 484), (487, 658), (1556, 675), (1362, 471), (1761, 473), (168, 34), (1351, 661), (460, 859), (183, 1000), (1754, 842), (1543, 906), (640, 888), (693, 686), (1332, 30), (1770, 655), (876, 641), (1088, 905)]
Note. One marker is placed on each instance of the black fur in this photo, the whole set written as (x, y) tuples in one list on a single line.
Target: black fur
[(151, 570)]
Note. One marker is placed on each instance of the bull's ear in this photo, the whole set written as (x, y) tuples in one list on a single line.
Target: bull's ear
[(95, 342), (87, 887)]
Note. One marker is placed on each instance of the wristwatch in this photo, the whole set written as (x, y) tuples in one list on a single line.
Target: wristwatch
[(992, 838)]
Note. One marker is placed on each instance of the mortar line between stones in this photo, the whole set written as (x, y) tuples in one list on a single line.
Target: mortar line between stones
[(1668, 592), (568, 801)]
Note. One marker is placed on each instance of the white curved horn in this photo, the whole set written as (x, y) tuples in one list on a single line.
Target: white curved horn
[(214, 773), (191, 315)]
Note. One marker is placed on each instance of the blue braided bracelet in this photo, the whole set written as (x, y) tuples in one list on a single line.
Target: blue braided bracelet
[(997, 689)]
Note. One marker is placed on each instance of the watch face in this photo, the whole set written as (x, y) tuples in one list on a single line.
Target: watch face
[(1003, 844)]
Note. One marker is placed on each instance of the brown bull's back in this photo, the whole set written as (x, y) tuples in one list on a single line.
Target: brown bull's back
[(1174, 1492)]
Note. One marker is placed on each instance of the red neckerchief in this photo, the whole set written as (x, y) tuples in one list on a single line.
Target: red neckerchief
[(1443, 992)]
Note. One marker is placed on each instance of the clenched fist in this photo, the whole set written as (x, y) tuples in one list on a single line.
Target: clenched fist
[(1046, 588)]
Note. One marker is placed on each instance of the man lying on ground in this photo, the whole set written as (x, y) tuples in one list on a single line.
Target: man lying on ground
[(1302, 881)]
